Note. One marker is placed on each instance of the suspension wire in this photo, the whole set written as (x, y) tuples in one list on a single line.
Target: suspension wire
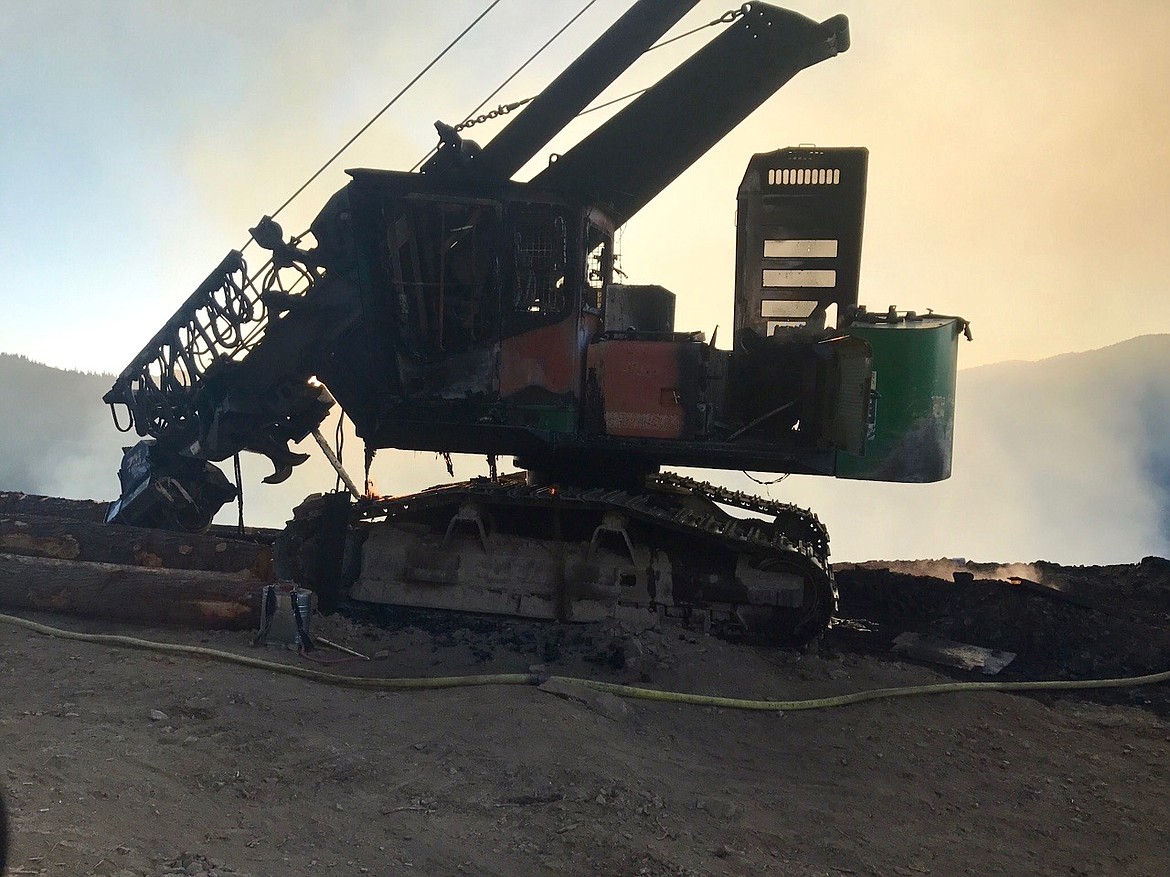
[(616, 100), (502, 85), (380, 112), (726, 18)]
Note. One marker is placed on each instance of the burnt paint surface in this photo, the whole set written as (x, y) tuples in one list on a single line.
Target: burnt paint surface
[(644, 389), (550, 358)]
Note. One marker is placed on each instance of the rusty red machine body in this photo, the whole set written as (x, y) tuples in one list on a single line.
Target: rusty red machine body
[(460, 311)]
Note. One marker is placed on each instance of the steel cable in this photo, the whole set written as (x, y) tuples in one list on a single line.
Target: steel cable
[(380, 113), (515, 73)]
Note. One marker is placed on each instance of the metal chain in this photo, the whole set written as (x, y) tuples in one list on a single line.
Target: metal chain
[(501, 110)]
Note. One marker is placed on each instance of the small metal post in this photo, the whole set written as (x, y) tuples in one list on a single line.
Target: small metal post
[(332, 458)]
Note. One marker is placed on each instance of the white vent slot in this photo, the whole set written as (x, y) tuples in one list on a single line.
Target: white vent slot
[(800, 278), (786, 310), (804, 176), (800, 249)]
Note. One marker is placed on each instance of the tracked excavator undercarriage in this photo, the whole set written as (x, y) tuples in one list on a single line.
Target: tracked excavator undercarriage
[(569, 553), (670, 550)]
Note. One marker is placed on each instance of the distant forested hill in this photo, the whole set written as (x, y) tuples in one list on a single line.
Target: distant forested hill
[(55, 434), (1087, 428)]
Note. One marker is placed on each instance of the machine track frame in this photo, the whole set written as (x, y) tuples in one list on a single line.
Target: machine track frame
[(669, 550)]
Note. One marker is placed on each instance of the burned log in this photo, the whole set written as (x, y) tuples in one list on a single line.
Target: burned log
[(52, 506), (148, 595), (82, 540)]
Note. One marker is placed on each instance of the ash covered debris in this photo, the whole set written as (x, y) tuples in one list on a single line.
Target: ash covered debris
[(1076, 622)]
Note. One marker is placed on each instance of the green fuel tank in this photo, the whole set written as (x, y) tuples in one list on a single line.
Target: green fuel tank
[(911, 433)]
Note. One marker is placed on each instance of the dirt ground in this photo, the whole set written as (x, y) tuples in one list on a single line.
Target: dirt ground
[(118, 762)]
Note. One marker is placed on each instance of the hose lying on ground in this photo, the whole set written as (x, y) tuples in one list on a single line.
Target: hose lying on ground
[(629, 691)]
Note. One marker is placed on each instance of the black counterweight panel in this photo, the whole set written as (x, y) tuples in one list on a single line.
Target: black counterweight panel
[(801, 212)]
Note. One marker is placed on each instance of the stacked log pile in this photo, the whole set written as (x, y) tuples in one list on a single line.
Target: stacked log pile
[(57, 555)]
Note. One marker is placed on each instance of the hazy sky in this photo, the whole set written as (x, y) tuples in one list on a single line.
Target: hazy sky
[(1017, 171)]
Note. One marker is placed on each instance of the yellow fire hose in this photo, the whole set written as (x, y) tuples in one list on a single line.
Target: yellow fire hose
[(630, 691)]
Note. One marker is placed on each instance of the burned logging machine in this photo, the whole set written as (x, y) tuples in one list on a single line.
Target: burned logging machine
[(456, 310)]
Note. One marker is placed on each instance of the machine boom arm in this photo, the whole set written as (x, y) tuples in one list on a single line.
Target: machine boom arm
[(645, 147), (581, 82)]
